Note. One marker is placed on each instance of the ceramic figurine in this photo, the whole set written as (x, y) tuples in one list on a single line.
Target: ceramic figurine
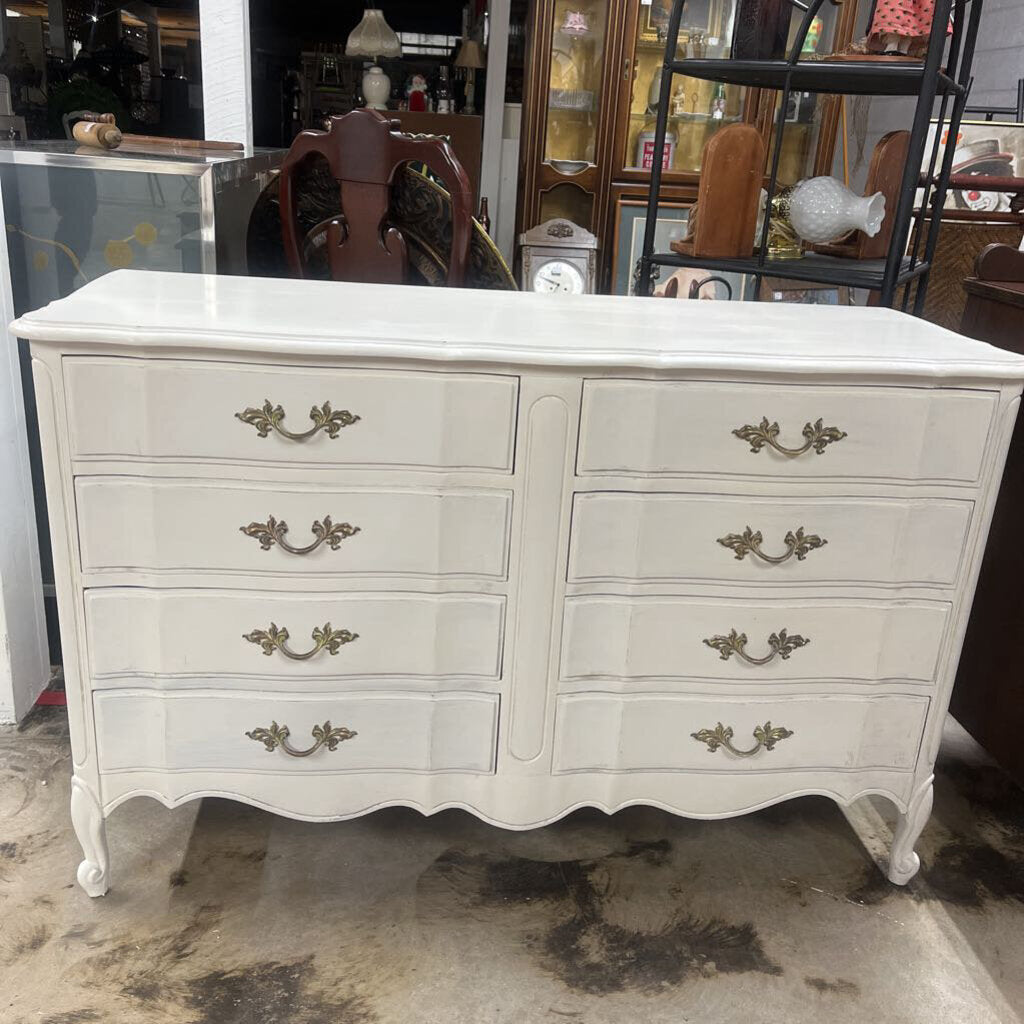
[(901, 28), (416, 92)]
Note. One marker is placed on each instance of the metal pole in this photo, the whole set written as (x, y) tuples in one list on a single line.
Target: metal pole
[(915, 151), (660, 128)]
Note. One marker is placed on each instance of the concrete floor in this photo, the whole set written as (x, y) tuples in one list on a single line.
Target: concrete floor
[(224, 914)]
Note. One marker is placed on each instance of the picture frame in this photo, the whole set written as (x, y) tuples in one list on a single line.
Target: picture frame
[(806, 293), (672, 224), (982, 147), (654, 21)]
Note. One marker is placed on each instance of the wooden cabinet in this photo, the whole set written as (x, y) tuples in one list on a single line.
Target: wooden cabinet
[(593, 70)]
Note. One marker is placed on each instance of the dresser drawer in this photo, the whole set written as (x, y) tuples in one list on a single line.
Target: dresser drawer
[(159, 409), (678, 428), (205, 633), (175, 526), (654, 732), (145, 730), (664, 638), (669, 537)]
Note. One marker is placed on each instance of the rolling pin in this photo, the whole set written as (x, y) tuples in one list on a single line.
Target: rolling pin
[(101, 135)]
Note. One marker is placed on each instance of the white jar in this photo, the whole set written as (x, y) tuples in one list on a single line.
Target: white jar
[(376, 88)]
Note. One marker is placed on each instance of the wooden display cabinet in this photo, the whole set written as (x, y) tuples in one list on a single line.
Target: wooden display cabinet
[(593, 67)]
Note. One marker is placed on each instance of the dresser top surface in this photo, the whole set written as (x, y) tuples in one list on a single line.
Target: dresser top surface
[(262, 316)]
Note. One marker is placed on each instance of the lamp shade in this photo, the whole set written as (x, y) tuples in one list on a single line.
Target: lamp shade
[(373, 37), (470, 55)]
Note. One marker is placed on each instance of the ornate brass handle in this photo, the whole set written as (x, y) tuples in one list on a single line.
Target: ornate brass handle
[(815, 435), (327, 532), (324, 638), (781, 645), (766, 735), (277, 736), (749, 542), (269, 417)]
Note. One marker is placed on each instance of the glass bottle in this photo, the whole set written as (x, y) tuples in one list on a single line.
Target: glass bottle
[(444, 92)]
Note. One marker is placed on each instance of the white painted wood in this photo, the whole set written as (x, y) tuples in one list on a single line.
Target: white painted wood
[(651, 638), (450, 732), (501, 672), (605, 732), (227, 71), (903, 860), (87, 819), (174, 527), (675, 428), (156, 409), (133, 632), (24, 653), (177, 313), (677, 537), (494, 108)]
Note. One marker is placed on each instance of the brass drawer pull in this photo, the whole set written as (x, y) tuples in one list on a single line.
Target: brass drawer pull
[(749, 542), (324, 638), (277, 736), (766, 735), (324, 418), (815, 435), (781, 645), (327, 532)]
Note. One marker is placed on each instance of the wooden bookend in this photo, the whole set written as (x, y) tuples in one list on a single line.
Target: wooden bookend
[(884, 175), (999, 262), (731, 168)]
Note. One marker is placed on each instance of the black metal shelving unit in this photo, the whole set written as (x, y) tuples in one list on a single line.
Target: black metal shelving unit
[(944, 75)]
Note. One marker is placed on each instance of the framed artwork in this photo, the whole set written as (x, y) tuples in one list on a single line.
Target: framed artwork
[(672, 224), (982, 147), (807, 293), (654, 20), (700, 16)]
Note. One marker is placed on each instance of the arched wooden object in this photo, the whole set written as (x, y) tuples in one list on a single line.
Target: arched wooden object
[(364, 150)]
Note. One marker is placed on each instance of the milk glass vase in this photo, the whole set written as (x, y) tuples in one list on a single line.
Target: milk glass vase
[(822, 209)]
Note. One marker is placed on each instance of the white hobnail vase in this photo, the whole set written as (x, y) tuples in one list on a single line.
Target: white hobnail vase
[(821, 209)]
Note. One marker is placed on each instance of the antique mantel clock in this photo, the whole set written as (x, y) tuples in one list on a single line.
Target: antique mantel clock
[(558, 256)]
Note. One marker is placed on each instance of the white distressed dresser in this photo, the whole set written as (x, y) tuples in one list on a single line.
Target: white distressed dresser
[(327, 548)]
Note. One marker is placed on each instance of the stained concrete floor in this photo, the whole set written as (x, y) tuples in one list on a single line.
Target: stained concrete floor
[(224, 914)]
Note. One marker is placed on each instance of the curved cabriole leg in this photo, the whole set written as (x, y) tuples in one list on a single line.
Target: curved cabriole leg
[(903, 861), (87, 818)]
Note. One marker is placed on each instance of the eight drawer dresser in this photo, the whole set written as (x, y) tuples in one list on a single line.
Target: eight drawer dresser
[(326, 548)]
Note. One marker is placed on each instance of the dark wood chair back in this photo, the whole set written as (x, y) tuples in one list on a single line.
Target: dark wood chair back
[(364, 149)]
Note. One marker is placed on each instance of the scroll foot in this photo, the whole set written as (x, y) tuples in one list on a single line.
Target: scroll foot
[(91, 829), (903, 861)]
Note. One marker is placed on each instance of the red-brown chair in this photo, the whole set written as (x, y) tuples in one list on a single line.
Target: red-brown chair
[(364, 149)]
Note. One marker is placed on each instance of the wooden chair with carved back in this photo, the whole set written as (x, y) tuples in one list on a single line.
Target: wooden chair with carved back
[(364, 150)]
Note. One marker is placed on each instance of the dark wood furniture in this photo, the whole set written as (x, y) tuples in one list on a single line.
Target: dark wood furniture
[(587, 118), (988, 699), (465, 132), (364, 149)]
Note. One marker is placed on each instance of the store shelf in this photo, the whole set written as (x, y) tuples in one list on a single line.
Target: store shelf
[(812, 267), (875, 78), (689, 117)]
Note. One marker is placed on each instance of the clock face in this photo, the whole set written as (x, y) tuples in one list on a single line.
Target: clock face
[(558, 276)]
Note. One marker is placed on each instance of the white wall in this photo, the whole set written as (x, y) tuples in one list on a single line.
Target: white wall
[(24, 655), (999, 56), (227, 71)]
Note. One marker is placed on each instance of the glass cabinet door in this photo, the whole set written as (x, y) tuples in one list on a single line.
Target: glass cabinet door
[(697, 108), (807, 112), (574, 89)]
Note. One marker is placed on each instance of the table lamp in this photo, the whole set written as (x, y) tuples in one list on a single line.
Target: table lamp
[(374, 38), (470, 57)]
